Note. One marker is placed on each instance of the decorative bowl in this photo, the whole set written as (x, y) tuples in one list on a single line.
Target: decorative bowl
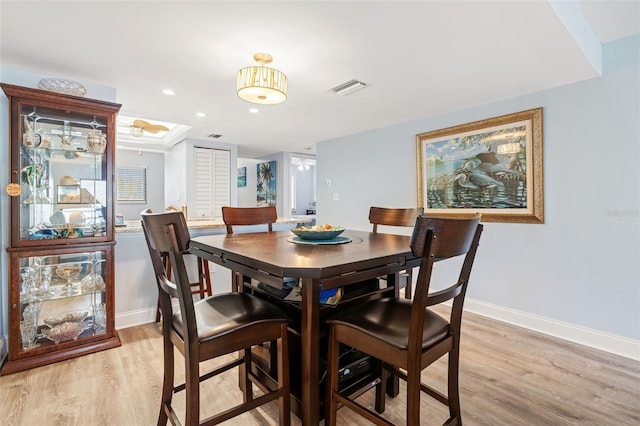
[(311, 234), (71, 317), (63, 332)]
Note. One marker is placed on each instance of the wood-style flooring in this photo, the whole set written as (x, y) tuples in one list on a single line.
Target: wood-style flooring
[(508, 376)]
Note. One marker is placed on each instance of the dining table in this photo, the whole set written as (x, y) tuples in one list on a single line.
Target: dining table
[(269, 257)]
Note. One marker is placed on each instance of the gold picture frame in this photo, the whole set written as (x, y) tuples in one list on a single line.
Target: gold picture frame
[(492, 167)]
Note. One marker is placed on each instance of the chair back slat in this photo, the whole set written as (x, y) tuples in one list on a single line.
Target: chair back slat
[(436, 240), (243, 216), (393, 217), (168, 233), (158, 242), (449, 237)]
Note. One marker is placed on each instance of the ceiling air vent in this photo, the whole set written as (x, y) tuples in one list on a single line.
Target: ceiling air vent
[(348, 87), (214, 136)]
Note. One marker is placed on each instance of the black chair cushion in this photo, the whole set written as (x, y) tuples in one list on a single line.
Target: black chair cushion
[(387, 320), (229, 312)]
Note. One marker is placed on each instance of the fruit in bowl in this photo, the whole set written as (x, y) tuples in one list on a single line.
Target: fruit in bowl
[(318, 232)]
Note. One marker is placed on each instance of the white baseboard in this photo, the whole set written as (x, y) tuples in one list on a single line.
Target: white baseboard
[(611, 343), (623, 346), (133, 318)]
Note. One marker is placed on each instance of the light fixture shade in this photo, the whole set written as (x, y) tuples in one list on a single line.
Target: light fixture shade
[(136, 131), (262, 85)]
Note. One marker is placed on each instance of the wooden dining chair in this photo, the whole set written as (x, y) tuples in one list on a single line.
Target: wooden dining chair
[(406, 334), (381, 216), (209, 328), (250, 216), (202, 287), (245, 216)]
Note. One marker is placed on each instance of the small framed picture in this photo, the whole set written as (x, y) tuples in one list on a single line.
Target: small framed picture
[(68, 194), (242, 177)]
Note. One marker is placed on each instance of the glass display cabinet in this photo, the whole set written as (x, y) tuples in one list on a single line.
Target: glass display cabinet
[(61, 251)]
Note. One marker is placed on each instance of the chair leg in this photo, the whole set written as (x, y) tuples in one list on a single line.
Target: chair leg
[(158, 311), (408, 289), (274, 365), (245, 369), (331, 405), (284, 403), (167, 381), (381, 389), (204, 278), (453, 389), (192, 390), (413, 395)]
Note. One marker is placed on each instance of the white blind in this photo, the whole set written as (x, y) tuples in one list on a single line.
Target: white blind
[(212, 181), (132, 184)]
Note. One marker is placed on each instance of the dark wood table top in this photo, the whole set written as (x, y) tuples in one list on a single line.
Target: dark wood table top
[(272, 252)]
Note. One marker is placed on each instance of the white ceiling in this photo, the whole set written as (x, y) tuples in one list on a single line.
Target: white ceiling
[(420, 58)]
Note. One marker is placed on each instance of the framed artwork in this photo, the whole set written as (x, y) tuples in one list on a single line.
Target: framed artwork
[(266, 186), (242, 177), (492, 167)]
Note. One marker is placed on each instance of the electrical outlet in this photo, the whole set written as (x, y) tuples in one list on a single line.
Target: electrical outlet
[(327, 183)]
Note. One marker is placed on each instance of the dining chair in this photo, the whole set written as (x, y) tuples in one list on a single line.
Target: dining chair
[(244, 216), (381, 216), (209, 328), (408, 335), (250, 216), (202, 287)]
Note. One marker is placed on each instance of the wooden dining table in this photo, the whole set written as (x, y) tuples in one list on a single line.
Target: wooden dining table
[(268, 257)]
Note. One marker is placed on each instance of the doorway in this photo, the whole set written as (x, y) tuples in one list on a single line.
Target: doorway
[(302, 190)]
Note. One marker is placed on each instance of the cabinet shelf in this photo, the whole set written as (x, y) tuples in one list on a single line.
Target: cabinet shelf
[(61, 252)]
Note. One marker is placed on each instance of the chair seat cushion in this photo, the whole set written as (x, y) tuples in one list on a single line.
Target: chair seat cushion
[(229, 312), (388, 320)]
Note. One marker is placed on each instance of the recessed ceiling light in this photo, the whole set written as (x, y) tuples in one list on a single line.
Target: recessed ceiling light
[(168, 92), (201, 114), (254, 110)]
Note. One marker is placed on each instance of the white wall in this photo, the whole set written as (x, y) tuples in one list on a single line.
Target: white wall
[(154, 163), (247, 195), (579, 272)]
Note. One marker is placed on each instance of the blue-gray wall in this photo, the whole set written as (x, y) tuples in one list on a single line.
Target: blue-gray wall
[(578, 274)]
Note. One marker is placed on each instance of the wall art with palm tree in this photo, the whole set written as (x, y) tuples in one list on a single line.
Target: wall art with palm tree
[(266, 187)]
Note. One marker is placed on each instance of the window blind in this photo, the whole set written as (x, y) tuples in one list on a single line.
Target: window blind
[(132, 184)]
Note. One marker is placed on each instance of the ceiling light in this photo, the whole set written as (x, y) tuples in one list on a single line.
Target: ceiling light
[(201, 114), (254, 110), (168, 92), (259, 84), (136, 131)]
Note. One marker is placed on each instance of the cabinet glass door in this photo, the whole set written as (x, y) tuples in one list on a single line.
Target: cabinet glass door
[(62, 298), (62, 165)]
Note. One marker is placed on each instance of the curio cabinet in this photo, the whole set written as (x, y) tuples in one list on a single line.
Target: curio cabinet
[(61, 249)]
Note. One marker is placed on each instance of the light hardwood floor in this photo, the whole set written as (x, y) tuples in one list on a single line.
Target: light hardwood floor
[(509, 376)]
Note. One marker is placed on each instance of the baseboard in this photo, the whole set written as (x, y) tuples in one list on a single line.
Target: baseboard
[(133, 318), (628, 348)]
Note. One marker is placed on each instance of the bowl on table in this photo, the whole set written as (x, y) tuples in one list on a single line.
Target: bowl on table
[(318, 233)]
